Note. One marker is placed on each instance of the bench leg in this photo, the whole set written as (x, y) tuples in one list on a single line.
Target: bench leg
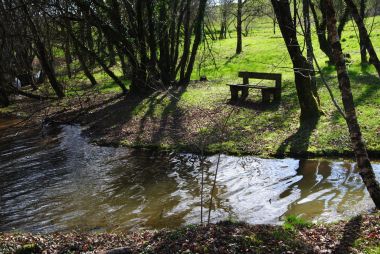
[(244, 93), (234, 93), (277, 95), (266, 96)]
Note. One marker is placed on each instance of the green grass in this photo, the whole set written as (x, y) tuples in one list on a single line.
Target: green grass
[(373, 250), (292, 222), (263, 51), (264, 130)]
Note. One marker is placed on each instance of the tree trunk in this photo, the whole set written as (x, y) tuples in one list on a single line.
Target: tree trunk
[(111, 54), (239, 22), (295, 13), (186, 41), (164, 62), (198, 34), (223, 34), (343, 20), (324, 45), (309, 46), (96, 58), (363, 162), (84, 67), (42, 55), (68, 58), (141, 71), (310, 107), (4, 100), (223, 23), (48, 69), (80, 54), (364, 34), (363, 49)]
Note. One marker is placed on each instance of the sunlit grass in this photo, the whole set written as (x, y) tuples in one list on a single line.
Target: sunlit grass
[(265, 131)]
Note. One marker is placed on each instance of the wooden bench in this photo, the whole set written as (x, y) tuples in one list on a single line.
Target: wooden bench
[(266, 91)]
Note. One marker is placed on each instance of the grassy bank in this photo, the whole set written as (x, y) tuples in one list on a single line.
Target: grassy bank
[(199, 117), (358, 235)]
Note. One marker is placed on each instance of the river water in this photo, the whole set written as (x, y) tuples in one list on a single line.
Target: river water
[(55, 179)]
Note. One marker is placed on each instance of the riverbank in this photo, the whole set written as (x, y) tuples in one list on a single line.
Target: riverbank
[(199, 119), (360, 234)]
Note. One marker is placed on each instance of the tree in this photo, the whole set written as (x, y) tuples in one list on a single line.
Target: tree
[(239, 22), (320, 25), (363, 162), (307, 97), (41, 51), (343, 20), (364, 35), (225, 11), (309, 46), (363, 49)]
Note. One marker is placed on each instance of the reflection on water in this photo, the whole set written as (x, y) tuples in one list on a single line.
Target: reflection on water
[(55, 180)]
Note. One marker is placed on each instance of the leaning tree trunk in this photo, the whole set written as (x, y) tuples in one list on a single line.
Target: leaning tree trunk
[(324, 45), (363, 162), (310, 107), (42, 55), (364, 34), (239, 22), (84, 67), (343, 20), (100, 61)]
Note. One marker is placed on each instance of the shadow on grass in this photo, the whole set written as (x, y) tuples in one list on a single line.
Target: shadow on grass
[(351, 233), (365, 88), (298, 143), (256, 105), (171, 119), (172, 116), (133, 117), (229, 59), (112, 116)]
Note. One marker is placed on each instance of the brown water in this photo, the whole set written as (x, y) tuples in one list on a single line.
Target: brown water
[(55, 180)]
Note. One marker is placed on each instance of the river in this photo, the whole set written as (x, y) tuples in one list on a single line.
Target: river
[(54, 179)]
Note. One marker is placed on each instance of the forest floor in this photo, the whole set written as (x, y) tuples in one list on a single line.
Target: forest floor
[(361, 234)]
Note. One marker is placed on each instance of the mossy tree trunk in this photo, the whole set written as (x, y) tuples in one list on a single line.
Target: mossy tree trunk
[(363, 162)]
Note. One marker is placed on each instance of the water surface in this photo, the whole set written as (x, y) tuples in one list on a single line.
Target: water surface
[(55, 180)]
